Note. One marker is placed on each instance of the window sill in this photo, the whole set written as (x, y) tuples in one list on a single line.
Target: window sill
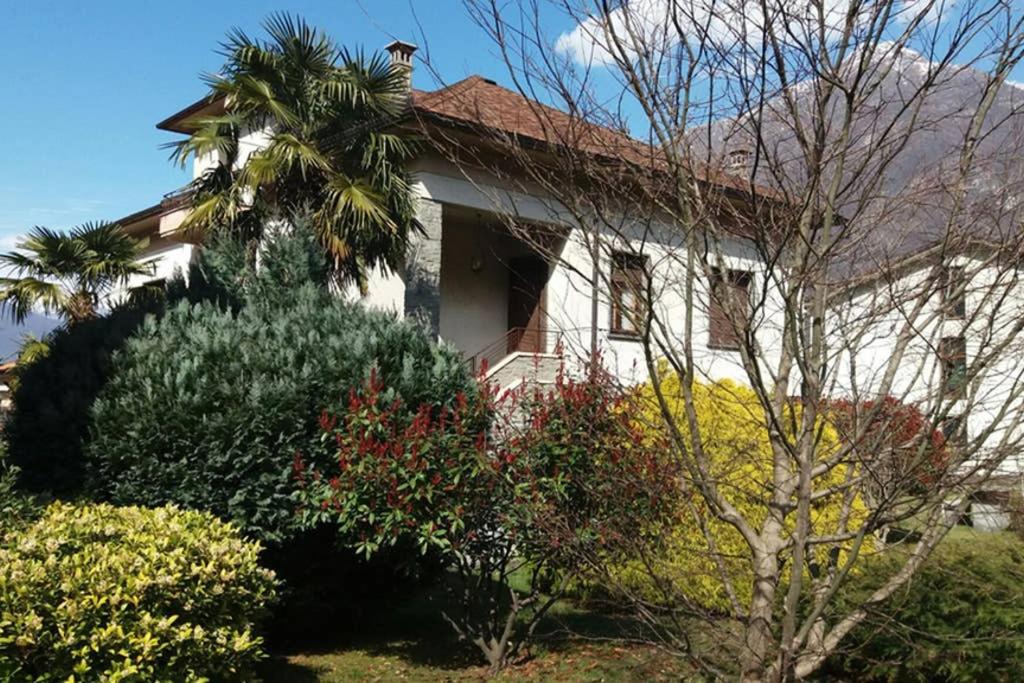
[(624, 336), (724, 347)]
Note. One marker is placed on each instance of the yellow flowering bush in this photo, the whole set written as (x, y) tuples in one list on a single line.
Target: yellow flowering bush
[(104, 593), (735, 437)]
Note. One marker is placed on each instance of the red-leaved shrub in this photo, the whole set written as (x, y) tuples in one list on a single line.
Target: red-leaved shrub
[(530, 481)]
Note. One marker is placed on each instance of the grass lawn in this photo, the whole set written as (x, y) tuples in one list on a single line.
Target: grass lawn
[(411, 643), (392, 661)]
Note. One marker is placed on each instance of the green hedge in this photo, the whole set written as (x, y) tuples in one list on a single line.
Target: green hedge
[(54, 396), (105, 593), (961, 618), (207, 408)]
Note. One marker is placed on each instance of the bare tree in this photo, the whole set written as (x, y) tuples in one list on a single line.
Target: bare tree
[(770, 219)]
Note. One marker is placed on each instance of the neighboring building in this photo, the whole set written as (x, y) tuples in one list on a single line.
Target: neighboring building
[(914, 241), (479, 287), (962, 361), (6, 376)]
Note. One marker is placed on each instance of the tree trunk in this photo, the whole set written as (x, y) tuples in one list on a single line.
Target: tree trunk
[(757, 635)]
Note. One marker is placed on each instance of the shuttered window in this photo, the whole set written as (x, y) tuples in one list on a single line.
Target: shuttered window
[(628, 293), (954, 430), (953, 357), (730, 291)]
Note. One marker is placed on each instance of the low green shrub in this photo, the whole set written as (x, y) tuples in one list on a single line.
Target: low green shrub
[(98, 592), (961, 617)]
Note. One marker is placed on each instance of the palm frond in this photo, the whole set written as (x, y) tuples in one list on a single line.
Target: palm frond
[(21, 296), (303, 45), (31, 349), (252, 95), (285, 154), (325, 111), (376, 83), (45, 254), (214, 135), (110, 257), (20, 263), (356, 204), (209, 212)]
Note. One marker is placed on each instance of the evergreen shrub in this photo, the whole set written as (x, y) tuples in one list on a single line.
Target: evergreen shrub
[(208, 407), (960, 618), (97, 592)]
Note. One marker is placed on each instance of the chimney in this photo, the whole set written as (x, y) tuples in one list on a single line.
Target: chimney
[(401, 58)]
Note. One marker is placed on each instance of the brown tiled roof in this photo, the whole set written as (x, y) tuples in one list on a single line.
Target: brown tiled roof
[(483, 105), (488, 107), (139, 215), (482, 102)]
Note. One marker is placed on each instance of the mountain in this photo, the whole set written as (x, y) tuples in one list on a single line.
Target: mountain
[(12, 334), (902, 155)]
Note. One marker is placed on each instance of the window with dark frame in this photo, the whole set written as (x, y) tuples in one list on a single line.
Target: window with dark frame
[(954, 297), (628, 285), (738, 158), (728, 288), (149, 289), (954, 430), (953, 357)]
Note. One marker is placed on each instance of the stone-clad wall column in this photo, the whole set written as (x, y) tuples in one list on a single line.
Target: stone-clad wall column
[(423, 266)]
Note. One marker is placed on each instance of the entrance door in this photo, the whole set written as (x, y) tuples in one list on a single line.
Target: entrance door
[(526, 302)]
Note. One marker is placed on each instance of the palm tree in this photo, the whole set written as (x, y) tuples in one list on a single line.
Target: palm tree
[(328, 156), (68, 273)]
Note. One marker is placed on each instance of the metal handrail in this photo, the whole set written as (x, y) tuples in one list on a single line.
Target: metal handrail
[(508, 344)]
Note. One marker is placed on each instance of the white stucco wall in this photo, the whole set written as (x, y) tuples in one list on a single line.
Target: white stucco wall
[(475, 260), (471, 308), (865, 331), (168, 259), (248, 142)]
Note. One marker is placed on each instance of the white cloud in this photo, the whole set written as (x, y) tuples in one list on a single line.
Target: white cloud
[(657, 24), (933, 9), (10, 241)]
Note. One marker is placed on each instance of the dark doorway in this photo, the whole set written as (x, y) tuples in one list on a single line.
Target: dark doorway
[(526, 302)]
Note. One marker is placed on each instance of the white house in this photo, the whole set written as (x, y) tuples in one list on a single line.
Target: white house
[(478, 285)]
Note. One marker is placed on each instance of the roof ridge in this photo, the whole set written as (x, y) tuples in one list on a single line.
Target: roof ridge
[(451, 89)]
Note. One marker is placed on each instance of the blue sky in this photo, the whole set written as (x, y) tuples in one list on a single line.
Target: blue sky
[(85, 83)]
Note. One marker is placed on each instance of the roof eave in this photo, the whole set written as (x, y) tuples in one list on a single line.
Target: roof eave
[(179, 121)]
